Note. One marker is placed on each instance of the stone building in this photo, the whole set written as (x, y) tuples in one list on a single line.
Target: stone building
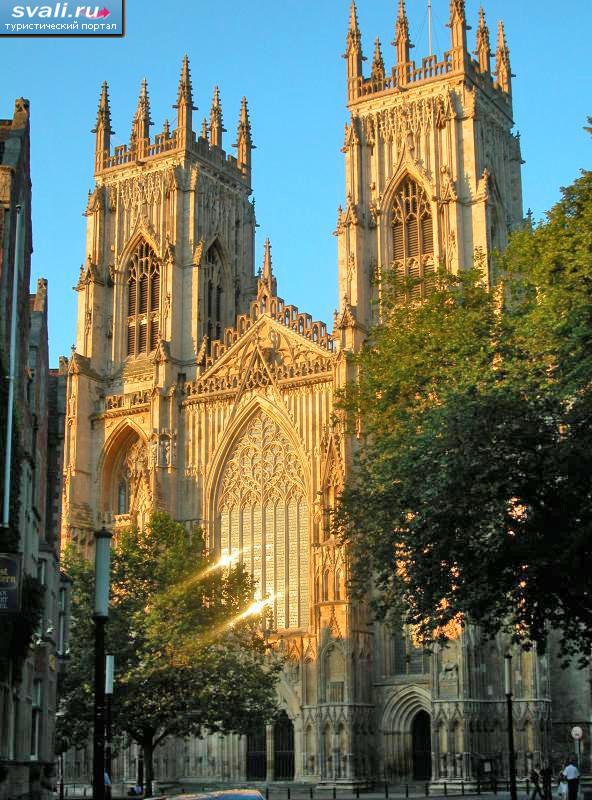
[(28, 687), (196, 389)]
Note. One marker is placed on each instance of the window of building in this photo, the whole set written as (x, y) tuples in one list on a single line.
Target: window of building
[(413, 238), (62, 621), (143, 295), (214, 295), (326, 584), (407, 658), (263, 515), (338, 585), (36, 718), (123, 497)]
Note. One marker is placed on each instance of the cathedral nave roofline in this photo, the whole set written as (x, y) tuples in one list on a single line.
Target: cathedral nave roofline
[(268, 304)]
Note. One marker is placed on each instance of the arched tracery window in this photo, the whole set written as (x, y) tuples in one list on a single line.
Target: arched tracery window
[(413, 237), (407, 658), (263, 515), (143, 295)]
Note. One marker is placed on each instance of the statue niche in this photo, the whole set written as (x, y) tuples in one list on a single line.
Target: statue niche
[(131, 493)]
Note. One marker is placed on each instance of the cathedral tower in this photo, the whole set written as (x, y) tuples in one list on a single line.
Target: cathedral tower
[(169, 264), (432, 166), (196, 390), (432, 181)]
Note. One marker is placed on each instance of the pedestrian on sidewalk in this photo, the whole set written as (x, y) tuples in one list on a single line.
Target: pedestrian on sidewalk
[(546, 778), (107, 780), (572, 776), (536, 784)]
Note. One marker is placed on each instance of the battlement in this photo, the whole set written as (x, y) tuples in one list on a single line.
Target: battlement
[(406, 74), (142, 147)]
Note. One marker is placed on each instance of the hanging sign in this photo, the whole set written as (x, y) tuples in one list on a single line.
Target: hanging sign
[(10, 583)]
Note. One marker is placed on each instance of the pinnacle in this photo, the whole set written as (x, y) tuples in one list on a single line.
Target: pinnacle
[(104, 110), (243, 134), (482, 29), (204, 129), (377, 61), (244, 112), (353, 18), (402, 24), (244, 123), (457, 9), (267, 272), (216, 126), (501, 36), (143, 110), (185, 93)]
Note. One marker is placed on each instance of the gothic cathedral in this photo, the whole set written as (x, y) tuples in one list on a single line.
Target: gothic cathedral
[(194, 388)]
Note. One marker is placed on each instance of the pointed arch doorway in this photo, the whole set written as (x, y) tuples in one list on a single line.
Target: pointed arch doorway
[(257, 754), (421, 744), (283, 748)]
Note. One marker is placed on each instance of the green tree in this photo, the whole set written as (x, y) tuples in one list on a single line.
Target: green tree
[(189, 656), (471, 500)]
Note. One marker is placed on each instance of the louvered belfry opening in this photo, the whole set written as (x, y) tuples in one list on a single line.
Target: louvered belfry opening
[(214, 296), (413, 239), (143, 295)]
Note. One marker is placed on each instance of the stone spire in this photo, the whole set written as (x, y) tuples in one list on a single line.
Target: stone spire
[(216, 127), (402, 43), (503, 73), (267, 281), (377, 62), (184, 106), (244, 143), (353, 47), (458, 31), (483, 51), (102, 129), (204, 130), (141, 123)]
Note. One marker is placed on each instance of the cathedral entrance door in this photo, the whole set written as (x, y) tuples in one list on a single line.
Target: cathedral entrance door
[(283, 748), (421, 746), (257, 755)]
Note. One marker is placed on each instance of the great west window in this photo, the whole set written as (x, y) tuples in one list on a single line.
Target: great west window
[(263, 515)]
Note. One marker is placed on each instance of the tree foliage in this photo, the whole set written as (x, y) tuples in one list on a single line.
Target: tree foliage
[(471, 500), (180, 667)]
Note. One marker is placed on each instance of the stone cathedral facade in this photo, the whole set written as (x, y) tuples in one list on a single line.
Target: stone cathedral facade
[(196, 389)]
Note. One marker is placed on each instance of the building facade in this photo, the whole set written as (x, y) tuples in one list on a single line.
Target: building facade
[(197, 390), (28, 679)]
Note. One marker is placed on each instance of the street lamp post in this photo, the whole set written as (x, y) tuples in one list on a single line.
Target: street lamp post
[(109, 668), (102, 563), (511, 753)]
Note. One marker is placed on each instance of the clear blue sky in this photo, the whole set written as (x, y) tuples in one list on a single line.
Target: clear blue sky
[(285, 56)]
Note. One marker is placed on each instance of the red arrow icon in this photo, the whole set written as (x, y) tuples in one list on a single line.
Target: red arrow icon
[(102, 14)]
